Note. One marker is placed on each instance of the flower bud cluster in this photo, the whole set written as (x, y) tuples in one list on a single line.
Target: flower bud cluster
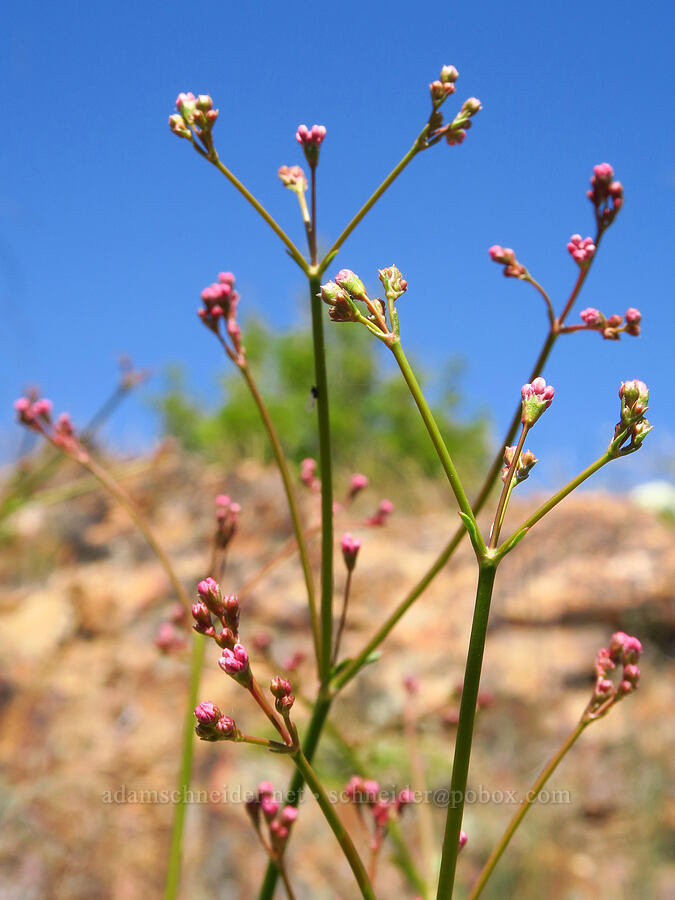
[(311, 139), (358, 483), (194, 113), (278, 819), (462, 122), (227, 520), (611, 328), (393, 282), (282, 692), (212, 725), (210, 605), (634, 397), (293, 178), (536, 399), (624, 651), (581, 250), (234, 662), (605, 194), (525, 464), (506, 257), (36, 414), (441, 89), (384, 510), (365, 794), (220, 303)]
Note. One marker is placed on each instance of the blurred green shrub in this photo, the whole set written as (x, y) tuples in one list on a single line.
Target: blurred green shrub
[(375, 426)]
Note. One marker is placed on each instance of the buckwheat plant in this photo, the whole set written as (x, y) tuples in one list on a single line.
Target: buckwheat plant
[(216, 614)]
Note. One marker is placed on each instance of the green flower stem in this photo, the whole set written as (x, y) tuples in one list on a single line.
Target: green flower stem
[(172, 882), (282, 465), (389, 624), (553, 501), (343, 616), (527, 803), (325, 465), (434, 433), (340, 832), (467, 713), (213, 158), (506, 490), (417, 146), (309, 745)]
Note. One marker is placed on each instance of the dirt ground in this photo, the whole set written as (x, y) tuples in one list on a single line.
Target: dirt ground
[(91, 712)]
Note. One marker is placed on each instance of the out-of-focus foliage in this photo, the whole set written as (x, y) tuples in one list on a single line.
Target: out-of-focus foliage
[(375, 427)]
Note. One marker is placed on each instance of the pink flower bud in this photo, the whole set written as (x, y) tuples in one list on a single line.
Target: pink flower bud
[(202, 616), (280, 687), (449, 74), (358, 484), (311, 139), (226, 728), (293, 178), (235, 663), (350, 282), (536, 397), (265, 788), (463, 838), (581, 250), (350, 549), (207, 713), (269, 807), (393, 282), (592, 317), (288, 815), (506, 257)]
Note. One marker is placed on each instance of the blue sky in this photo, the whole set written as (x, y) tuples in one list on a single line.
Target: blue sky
[(110, 226)]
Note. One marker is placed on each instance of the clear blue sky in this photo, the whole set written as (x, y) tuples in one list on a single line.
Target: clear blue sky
[(110, 226)]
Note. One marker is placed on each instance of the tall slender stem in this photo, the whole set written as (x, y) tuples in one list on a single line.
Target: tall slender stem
[(259, 208), (343, 616), (530, 799), (325, 465), (467, 713), (432, 428), (339, 830), (309, 745), (506, 490), (172, 882), (374, 197), (282, 465)]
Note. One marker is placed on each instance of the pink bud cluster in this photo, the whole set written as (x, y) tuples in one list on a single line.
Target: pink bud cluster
[(293, 178), (462, 122), (311, 139), (611, 328), (265, 807), (308, 474), (605, 194), (384, 510), (212, 604), (212, 725), (36, 414), (350, 549), (536, 399), (282, 692), (196, 113), (634, 396), (220, 302), (234, 662), (227, 520), (365, 794), (441, 89), (624, 651), (524, 466), (506, 257), (581, 249)]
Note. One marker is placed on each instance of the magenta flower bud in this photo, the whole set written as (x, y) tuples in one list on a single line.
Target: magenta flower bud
[(42, 409), (235, 663), (631, 674), (536, 397), (280, 687), (311, 139), (231, 610), (633, 318), (350, 549), (22, 405), (463, 839), (371, 789), (393, 282), (449, 74), (226, 728), (202, 616), (506, 257), (381, 813), (269, 807), (592, 317), (288, 815), (265, 788), (624, 648), (603, 172), (354, 788), (351, 283), (207, 713), (581, 250)]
